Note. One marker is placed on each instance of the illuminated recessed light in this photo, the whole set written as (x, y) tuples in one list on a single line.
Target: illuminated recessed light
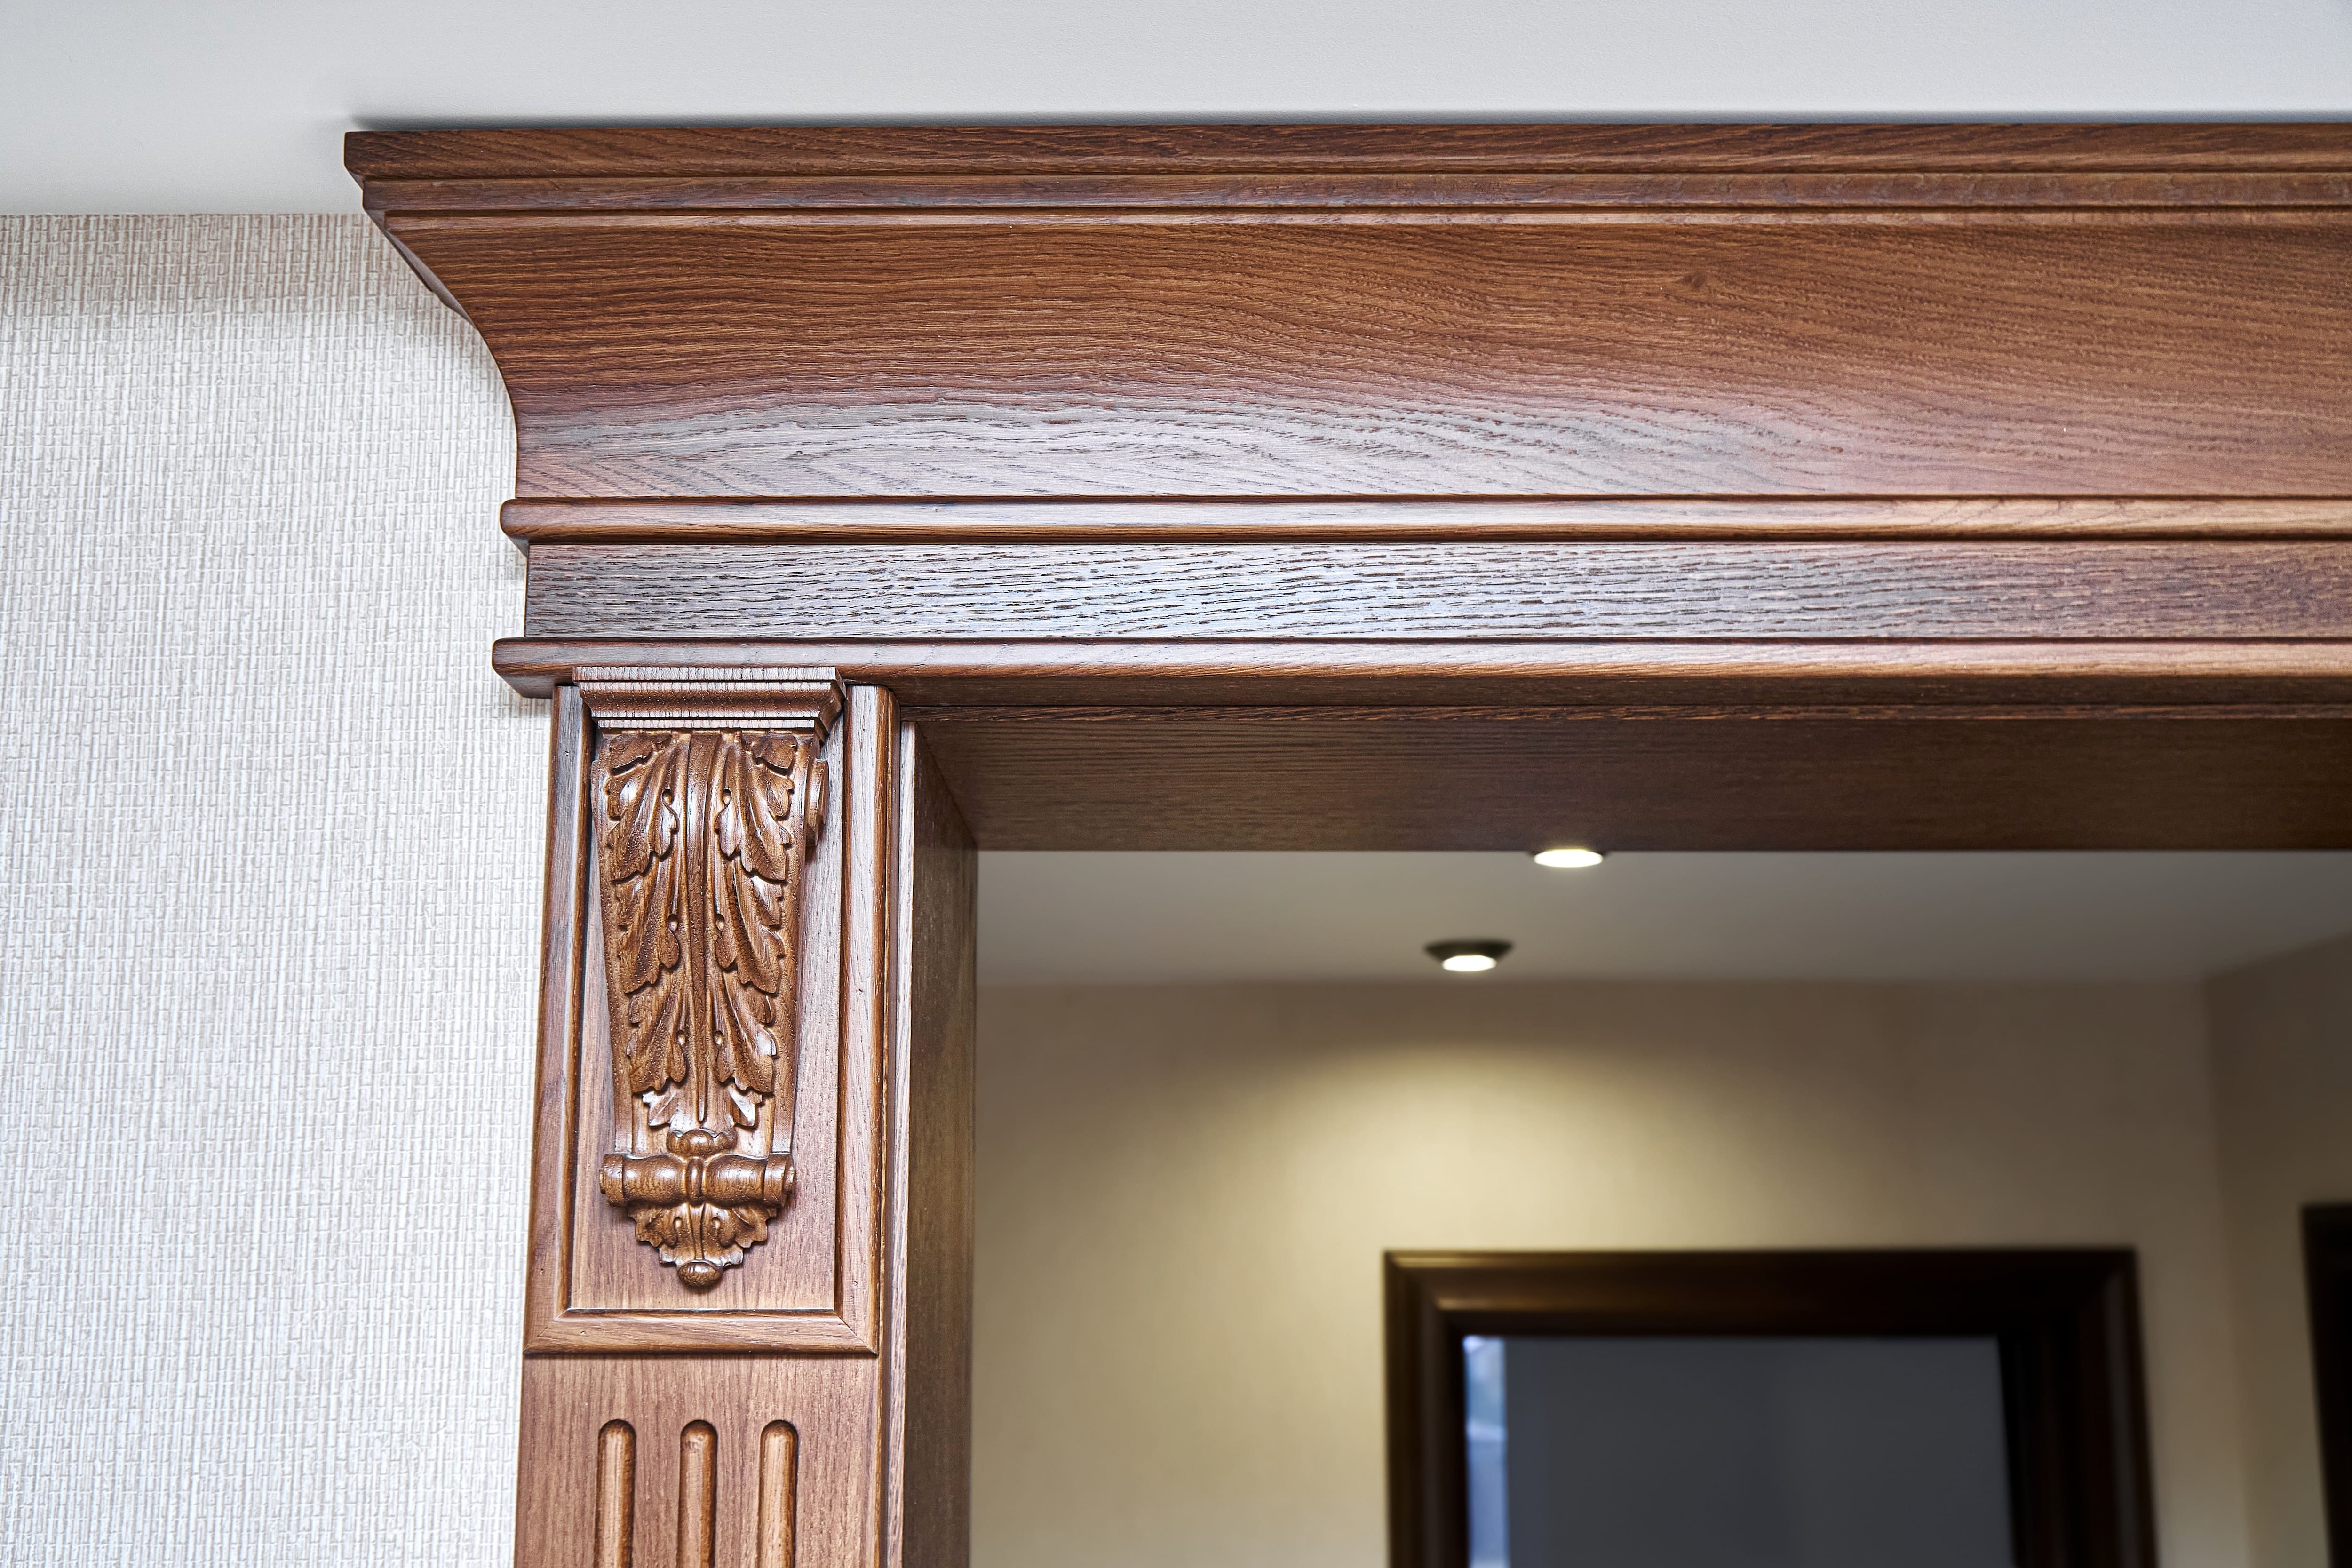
[(1467, 957), (1567, 859)]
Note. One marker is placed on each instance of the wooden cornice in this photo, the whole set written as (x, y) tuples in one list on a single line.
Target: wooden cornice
[(1907, 315), (2016, 446)]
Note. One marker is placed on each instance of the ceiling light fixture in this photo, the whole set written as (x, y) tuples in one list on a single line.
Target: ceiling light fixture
[(1468, 957), (1568, 858)]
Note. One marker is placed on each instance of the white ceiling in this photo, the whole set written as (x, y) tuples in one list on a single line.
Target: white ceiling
[(237, 105), (1240, 917)]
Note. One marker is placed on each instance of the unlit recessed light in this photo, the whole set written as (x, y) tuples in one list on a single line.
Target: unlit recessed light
[(1567, 859), (1468, 957)]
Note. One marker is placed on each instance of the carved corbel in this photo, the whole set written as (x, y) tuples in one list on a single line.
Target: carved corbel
[(708, 797)]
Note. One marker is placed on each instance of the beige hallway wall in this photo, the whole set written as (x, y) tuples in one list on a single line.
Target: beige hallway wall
[(2282, 1035), (1185, 1195)]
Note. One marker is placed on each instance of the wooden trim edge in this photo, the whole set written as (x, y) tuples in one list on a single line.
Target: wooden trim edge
[(1340, 148), (1321, 673), (593, 520)]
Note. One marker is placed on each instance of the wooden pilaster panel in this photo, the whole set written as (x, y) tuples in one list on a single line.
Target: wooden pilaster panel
[(805, 1407), (931, 1305), (594, 1285), (828, 1405)]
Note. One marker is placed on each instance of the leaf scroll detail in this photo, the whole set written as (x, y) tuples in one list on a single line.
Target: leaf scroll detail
[(645, 801), (703, 842)]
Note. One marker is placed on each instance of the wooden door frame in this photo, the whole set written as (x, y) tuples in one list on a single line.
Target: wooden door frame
[(1265, 486), (2327, 1300), (2067, 1322)]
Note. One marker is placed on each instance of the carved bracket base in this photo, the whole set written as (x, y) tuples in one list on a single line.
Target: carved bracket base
[(701, 1204)]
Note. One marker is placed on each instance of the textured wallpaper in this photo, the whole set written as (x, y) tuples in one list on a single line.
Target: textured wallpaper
[(267, 937)]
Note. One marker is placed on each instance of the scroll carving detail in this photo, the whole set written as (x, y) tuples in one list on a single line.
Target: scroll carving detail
[(704, 837)]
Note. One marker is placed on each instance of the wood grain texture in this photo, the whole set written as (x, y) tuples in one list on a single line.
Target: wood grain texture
[(779, 1456), (1395, 779), (590, 1286), (1926, 312), (799, 1272), (1740, 675), (930, 1416), (702, 855), (707, 795), (1454, 197), (831, 1402), (684, 153), (2020, 751), (531, 523), (2067, 1322), (712, 357), (857, 1455), (697, 1495), (617, 1495), (1452, 591)]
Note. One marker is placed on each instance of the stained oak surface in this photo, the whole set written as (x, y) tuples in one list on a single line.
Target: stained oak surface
[(1925, 312), (719, 357), (736, 1445), (936, 1008), (1395, 779), (678, 154), (1458, 590), (1596, 519), (591, 1285), (831, 1404), (1884, 677), (803, 1274)]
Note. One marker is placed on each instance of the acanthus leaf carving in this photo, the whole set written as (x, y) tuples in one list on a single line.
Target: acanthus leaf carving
[(703, 842)]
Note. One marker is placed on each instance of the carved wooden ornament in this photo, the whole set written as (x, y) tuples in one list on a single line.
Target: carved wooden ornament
[(703, 838)]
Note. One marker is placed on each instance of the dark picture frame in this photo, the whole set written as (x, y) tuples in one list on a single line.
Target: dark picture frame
[(2067, 1322), (2327, 1287)]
